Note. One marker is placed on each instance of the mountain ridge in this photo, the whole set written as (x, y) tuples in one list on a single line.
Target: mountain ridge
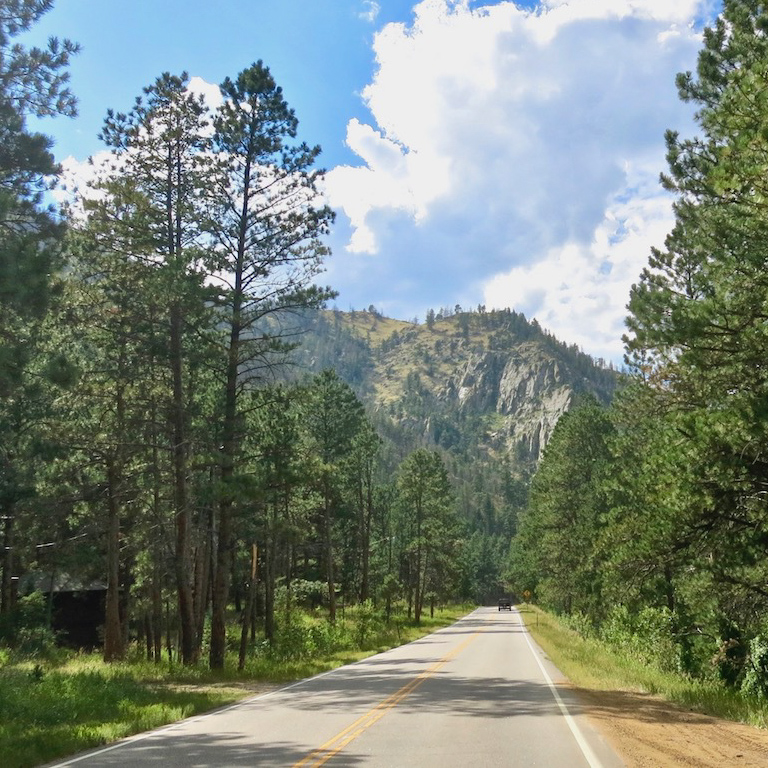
[(491, 383)]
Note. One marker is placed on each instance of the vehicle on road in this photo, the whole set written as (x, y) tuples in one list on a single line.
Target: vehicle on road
[(505, 604)]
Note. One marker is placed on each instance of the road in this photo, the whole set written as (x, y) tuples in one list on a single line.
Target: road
[(479, 693)]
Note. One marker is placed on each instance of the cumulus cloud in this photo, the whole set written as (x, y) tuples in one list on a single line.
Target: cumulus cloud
[(512, 159), (210, 92)]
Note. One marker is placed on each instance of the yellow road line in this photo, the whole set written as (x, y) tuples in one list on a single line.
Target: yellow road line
[(333, 746)]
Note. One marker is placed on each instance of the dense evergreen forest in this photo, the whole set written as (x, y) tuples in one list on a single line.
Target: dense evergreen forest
[(647, 520), (474, 385), (186, 430)]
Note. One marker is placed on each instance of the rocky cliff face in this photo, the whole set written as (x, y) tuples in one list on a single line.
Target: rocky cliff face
[(526, 389), (491, 382)]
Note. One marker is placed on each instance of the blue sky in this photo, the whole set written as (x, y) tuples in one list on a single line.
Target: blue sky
[(319, 51), (478, 152)]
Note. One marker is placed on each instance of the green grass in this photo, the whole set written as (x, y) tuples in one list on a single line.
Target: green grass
[(49, 710), (592, 664), (73, 708)]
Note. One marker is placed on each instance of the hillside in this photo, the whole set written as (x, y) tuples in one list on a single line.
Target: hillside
[(485, 387)]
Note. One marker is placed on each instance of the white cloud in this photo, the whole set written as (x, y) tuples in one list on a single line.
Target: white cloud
[(370, 11), (579, 290), (211, 93), (76, 178), (507, 146)]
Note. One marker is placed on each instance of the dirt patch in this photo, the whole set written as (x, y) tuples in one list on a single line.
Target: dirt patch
[(648, 732)]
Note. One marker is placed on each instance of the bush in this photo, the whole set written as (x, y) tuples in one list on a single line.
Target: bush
[(294, 638), (755, 682), (366, 619), (26, 629), (299, 637), (647, 636), (732, 655), (306, 594), (580, 623)]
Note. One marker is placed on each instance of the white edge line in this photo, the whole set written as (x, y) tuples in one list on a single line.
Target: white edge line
[(586, 750), (196, 718), (215, 712)]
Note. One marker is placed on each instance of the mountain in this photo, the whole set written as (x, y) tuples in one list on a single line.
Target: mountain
[(486, 387)]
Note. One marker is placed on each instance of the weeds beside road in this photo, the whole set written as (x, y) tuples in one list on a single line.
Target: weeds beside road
[(594, 665), (64, 703)]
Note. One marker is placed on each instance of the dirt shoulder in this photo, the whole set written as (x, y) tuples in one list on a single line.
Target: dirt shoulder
[(648, 732)]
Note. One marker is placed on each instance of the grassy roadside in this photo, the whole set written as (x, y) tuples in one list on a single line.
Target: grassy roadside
[(51, 709), (591, 664)]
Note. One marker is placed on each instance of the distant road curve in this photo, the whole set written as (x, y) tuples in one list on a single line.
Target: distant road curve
[(479, 693)]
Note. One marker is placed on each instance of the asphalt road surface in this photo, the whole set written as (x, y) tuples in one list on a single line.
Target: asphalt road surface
[(479, 693)]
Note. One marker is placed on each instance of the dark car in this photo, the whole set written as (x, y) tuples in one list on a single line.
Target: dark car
[(505, 604)]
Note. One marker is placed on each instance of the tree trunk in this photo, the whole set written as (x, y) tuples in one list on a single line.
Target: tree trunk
[(249, 605), (669, 589), (366, 537), (229, 443), (6, 593), (168, 631), (423, 590), (329, 558), (149, 635), (156, 600), (269, 584), (157, 618), (113, 635), (183, 559), (203, 565), (417, 594), (125, 602), (220, 591)]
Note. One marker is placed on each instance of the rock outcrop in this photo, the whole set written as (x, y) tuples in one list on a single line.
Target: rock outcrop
[(492, 380)]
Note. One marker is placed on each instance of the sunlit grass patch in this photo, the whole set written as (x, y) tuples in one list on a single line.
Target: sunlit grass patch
[(85, 704), (76, 702), (592, 664)]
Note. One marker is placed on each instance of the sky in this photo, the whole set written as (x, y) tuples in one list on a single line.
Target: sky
[(477, 152)]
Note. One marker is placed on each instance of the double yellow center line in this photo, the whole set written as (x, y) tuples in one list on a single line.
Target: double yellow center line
[(326, 751)]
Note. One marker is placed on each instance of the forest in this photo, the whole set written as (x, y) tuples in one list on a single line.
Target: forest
[(165, 440), (158, 447), (647, 520)]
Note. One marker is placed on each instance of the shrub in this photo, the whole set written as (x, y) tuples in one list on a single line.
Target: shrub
[(580, 623), (298, 637), (755, 682), (294, 638), (732, 655), (366, 621), (26, 629), (647, 636)]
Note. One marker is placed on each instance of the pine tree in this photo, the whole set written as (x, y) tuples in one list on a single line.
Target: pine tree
[(152, 211), (268, 230), (33, 82), (698, 321)]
